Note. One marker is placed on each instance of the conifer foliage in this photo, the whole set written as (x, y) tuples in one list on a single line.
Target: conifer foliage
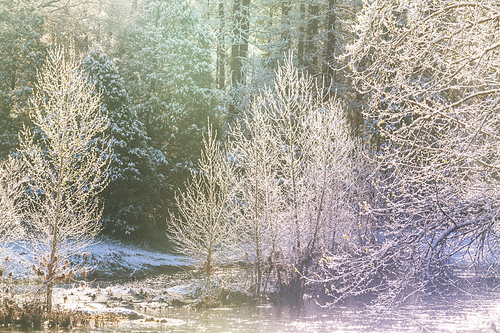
[(22, 53), (135, 169), (164, 57)]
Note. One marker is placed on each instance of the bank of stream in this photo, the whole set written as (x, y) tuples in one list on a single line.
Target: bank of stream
[(465, 315), (176, 298), (163, 304)]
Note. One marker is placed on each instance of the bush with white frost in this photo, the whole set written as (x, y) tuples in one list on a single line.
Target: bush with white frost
[(281, 192), (429, 71), (11, 207), (203, 228)]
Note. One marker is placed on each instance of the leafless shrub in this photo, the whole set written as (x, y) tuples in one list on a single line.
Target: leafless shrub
[(65, 168)]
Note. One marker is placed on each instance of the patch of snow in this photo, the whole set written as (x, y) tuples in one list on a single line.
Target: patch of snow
[(104, 256), (107, 252), (181, 290)]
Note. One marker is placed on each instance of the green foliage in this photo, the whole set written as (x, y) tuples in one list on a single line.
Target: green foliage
[(21, 54), (135, 167), (165, 60)]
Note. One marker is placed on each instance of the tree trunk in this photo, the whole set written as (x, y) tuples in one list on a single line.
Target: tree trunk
[(285, 35), (239, 49), (312, 32), (221, 53), (245, 34), (235, 57), (330, 44), (301, 36), (256, 227)]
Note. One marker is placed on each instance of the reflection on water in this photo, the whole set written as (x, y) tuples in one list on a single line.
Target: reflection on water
[(470, 315), (454, 316)]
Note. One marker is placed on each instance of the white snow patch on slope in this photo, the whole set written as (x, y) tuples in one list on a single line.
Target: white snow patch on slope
[(107, 251), (105, 256)]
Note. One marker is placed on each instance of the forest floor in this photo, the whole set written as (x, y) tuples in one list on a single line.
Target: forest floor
[(130, 281)]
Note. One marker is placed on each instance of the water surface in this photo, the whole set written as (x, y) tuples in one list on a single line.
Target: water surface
[(472, 314)]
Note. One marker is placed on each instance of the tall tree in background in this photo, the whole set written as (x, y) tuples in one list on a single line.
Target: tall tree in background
[(21, 54), (221, 44), (135, 178), (166, 62), (315, 31), (78, 23), (239, 50), (64, 170)]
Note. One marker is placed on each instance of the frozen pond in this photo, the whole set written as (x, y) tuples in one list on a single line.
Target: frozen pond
[(477, 314)]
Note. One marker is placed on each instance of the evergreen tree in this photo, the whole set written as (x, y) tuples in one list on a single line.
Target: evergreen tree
[(135, 170), (165, 59), (21, 54)]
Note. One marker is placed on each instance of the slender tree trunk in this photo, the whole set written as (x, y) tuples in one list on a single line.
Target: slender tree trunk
[(13, 78), (312, 32), (330, 44), (301, 36), (235, 48), (291, 147), (221, 52), (52, 264), (285, 35), (256, 230), (235, 56), (239, 49), (245, 34)]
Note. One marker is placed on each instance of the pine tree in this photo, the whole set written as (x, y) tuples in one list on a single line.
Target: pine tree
[(166, 62), (21, 54), (135, 178)]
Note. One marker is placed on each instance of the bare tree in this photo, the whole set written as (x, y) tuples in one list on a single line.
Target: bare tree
[(11, 204), (430, 72), (65, 168), (294, 154), (254, 151), (281, 193), (203, 228)]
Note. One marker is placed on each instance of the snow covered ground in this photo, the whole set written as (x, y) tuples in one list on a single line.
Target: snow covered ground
[(124, 273), (130, 281), (111, 259), (128, 300)]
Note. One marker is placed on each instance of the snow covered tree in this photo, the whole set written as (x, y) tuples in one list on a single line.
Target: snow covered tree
[(21, 54), (164, 57), (294, 156), (253, 150), (65, 171), (429, 70), (135, 178), (202, 228)]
